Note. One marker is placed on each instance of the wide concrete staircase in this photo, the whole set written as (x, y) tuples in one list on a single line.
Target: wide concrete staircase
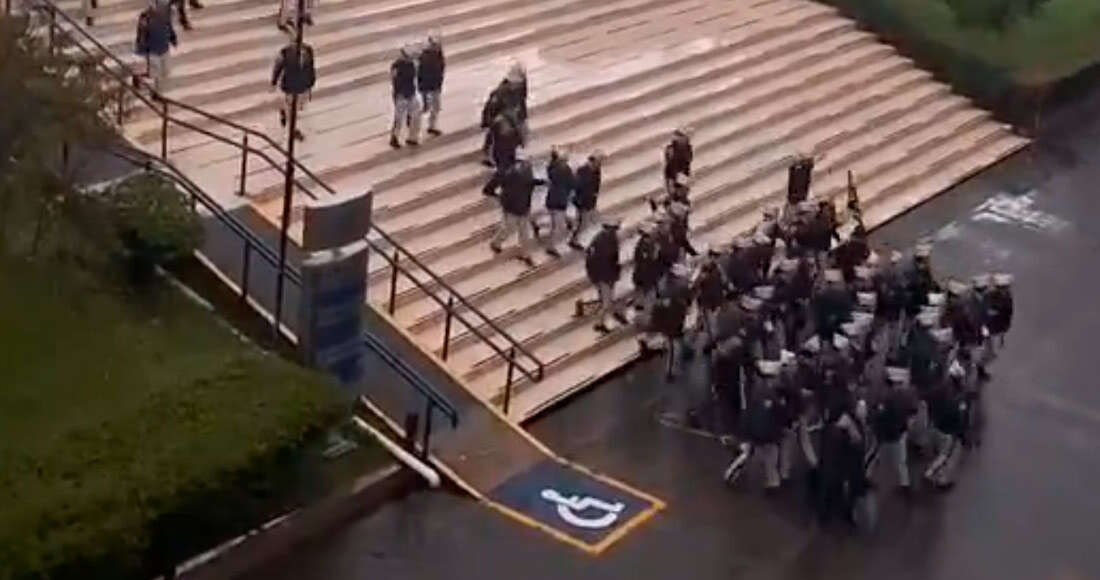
[(758, 79)]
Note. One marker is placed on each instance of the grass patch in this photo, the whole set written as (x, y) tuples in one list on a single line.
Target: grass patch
[(995, 66), (123, 415)]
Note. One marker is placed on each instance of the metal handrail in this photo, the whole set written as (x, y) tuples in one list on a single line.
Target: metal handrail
[(435, 401), (413, 377), (162, 111)]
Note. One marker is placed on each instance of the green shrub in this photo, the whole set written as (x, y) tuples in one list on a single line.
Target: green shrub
[(154, 222)]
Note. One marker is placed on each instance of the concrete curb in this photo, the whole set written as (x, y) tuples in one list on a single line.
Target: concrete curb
[(279, 536)]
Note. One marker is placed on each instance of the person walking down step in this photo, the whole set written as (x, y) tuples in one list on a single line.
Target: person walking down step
[(155, 39), (505, 142), (429, 80), (406, 109), (562, 182), (602, 266), (589, 177), (517, 184), (295, 75)]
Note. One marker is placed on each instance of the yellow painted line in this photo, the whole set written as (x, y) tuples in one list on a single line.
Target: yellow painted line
[(531, 522), (626, 528)]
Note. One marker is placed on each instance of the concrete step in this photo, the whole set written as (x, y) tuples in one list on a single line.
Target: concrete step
[(360, 148), (712, 152), (528, 328)]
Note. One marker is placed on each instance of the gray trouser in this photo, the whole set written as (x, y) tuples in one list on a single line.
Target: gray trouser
[(605, 292), (433, 103), (585, 218), (158, 69), (406, 110), (896, 456), (558, 228), (510, 224), (942, 468)]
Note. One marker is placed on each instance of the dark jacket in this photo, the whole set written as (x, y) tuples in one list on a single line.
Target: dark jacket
[(292, 75), (429, 75), (403, 77), (709, 287), (515, 98), (647, 270), (1000, 307), (892, 413), (155, 32), (562, 183), (494, 106), (516, 188), (589, 177), (678, 158), (506, 137), (672, 308), (601, 261), (831, 307)]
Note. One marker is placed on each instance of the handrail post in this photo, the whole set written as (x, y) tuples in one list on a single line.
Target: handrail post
[(244, 270), (508, 385), (427, 428), (244, 163), (393, 282), (164, 129), (447, 326)]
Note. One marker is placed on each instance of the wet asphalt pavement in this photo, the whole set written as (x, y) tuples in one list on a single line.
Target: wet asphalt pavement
[(1025, 506)]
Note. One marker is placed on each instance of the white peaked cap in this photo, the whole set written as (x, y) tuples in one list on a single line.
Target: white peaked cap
[(897, 374), (840, 341), (863, 272), (927, 318), (866, 299), (787, 358), (873, 259), (895, 256), (680, 271), (863, 319), (764, 292), (981, 281), (936, 298), (768, 368), (1002, 279), (749, 303), (943, 335), (922, 250), (850, 329), (834, 275), (813, 344)]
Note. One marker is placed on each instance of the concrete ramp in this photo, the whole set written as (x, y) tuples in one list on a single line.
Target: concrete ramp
[(504, 467)]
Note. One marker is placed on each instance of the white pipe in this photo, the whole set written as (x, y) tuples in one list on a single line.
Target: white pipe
[(405, 457)]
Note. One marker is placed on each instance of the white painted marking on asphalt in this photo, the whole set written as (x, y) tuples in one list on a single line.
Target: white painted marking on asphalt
[(1018, 210)]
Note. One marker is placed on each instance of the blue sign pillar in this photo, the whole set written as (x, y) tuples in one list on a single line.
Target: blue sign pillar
[(334, 286)]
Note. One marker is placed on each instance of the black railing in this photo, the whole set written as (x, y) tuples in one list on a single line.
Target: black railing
[(433, 400), (130, 83)]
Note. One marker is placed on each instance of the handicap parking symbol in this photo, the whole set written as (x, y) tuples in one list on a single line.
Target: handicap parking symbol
[(588, 509)]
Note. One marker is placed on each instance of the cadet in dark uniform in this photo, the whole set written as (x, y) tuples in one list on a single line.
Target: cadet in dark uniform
[(892, 414), (763, 428), (1000, 307), (679, 228), (647, 268), (979, 306), (678, 157), (505, 142), (495, 105), (920, 282), (890, 286), (295, 75), (831, 305), (960, 316), (589, 178), (558, 195), (709, 290), (406, 108), (517, 185), (602, 266), (948, 409), (674, 299), (429, 80), (727, 361)]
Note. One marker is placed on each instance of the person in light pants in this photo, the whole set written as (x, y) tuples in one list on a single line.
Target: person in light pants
[(155, 38), (562, 182), (429, 80)]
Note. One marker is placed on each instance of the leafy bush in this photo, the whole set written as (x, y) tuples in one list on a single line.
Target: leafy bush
[(154, 222)]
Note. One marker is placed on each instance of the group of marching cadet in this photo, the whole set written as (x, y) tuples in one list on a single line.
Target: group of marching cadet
[(822, 352)]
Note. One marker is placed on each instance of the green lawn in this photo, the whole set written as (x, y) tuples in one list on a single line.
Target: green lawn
[(116, 410), (1062, 39)]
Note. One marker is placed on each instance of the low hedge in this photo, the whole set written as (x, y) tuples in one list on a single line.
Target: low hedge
[(1006, 66), (135, 429)]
